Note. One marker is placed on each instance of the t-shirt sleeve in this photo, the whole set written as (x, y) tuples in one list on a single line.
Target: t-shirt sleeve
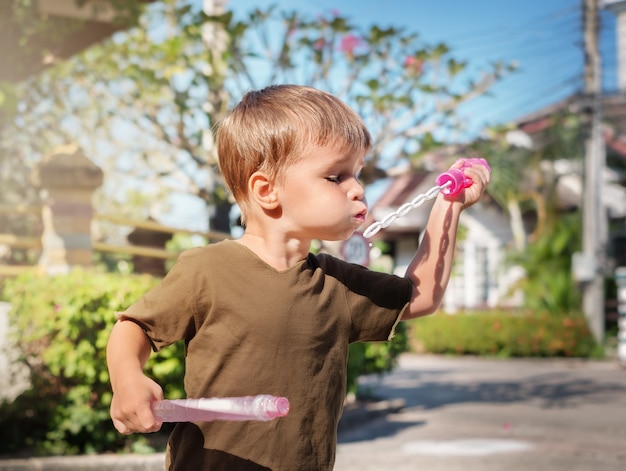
[(167, 313), (376, 301)]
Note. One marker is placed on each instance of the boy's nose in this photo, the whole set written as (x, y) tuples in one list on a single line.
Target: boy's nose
[(357, 191)]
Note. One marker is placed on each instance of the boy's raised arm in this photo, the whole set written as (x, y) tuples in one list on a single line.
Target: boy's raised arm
[(128, 349), (431, 266)]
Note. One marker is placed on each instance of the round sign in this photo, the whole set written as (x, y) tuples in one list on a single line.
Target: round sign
[(356, 249)]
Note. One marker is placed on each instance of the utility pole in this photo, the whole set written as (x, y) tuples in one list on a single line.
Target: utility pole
[(594, 214)]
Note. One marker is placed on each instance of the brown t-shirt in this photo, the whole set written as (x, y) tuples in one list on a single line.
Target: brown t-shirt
[(250, 329)]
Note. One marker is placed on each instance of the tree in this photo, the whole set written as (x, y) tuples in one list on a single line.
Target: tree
[(525, 181), (547, 230), (141, 103)]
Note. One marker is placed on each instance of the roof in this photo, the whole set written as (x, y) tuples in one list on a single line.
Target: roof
[(613, 115), (57, 30)]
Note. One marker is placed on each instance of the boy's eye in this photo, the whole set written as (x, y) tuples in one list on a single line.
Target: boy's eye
[(334, 179)]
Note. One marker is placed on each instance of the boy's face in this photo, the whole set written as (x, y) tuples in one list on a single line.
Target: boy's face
[(320, 195)]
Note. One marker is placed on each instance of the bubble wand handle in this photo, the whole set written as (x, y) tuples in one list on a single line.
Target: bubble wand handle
[(263, 407), (456, 179), (449, 183)]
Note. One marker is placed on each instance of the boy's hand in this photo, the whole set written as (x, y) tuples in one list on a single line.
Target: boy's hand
[(131, 405), (479, 174)]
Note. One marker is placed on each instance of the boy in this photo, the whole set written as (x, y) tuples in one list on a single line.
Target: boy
[(261, 315)]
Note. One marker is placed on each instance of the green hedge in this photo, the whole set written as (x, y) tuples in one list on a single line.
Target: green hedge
[(375, 357), (60, 326), (505, 334)]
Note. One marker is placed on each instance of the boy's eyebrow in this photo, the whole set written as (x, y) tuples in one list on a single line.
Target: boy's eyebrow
[(350, 155), (343, 161)]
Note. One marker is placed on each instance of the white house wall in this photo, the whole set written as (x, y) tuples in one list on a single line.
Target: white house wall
[(405, 250), (479, 278), (478, 268)]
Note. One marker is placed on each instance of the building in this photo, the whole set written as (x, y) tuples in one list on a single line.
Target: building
[(36, 35)]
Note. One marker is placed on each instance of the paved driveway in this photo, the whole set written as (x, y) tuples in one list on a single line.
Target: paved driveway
[(476, 414)]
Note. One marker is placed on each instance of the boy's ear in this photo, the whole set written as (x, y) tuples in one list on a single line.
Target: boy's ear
[(262, 191)]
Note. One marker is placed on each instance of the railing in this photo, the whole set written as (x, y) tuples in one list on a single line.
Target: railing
[(145, 251), (35, 243)]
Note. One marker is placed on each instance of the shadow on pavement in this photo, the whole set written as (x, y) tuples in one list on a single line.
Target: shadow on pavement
[(544, 386), (389, 429), (546, 391)]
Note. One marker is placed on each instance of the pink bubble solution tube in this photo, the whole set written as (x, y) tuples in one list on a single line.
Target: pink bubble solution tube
[(263, 407)]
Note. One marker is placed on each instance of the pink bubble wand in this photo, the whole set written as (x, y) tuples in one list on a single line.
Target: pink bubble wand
[(448, 183), (263, 407)]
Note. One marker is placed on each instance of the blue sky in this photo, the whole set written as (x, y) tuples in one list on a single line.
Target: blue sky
[(543, 36)]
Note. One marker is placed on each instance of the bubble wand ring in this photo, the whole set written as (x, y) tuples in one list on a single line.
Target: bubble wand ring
[(450, 183)]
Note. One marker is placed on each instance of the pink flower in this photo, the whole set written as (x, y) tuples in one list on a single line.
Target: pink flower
[(349, 43), (413, 65)]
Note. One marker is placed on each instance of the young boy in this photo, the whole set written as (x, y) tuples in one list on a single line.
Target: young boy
[(261, 315)]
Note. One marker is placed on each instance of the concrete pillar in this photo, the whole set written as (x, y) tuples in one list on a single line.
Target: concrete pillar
[(147, 238), (68, 180), (14, 378)]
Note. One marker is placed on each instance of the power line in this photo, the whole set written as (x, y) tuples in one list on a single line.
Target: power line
[(528, 100), (552, 39), (511, 35)]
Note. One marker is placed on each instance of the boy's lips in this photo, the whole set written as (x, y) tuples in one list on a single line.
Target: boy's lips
[(361, 215)]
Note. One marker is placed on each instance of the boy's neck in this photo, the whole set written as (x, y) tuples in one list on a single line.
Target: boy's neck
[(276, 250)]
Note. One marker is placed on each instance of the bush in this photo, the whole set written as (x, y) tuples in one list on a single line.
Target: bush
[(505, 334), (60, 326), (378, 357)]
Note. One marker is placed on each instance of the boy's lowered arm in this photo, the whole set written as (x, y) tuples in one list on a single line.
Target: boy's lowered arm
[(128, 350)]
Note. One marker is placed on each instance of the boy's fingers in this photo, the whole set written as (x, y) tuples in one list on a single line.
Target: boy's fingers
[(149, 422), (479, 174), (140, 425), (121, 427)]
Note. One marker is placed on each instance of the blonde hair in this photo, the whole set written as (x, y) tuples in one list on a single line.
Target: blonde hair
[(271, 128)]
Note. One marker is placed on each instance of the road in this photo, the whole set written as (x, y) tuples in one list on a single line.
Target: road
[(475, 414)]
